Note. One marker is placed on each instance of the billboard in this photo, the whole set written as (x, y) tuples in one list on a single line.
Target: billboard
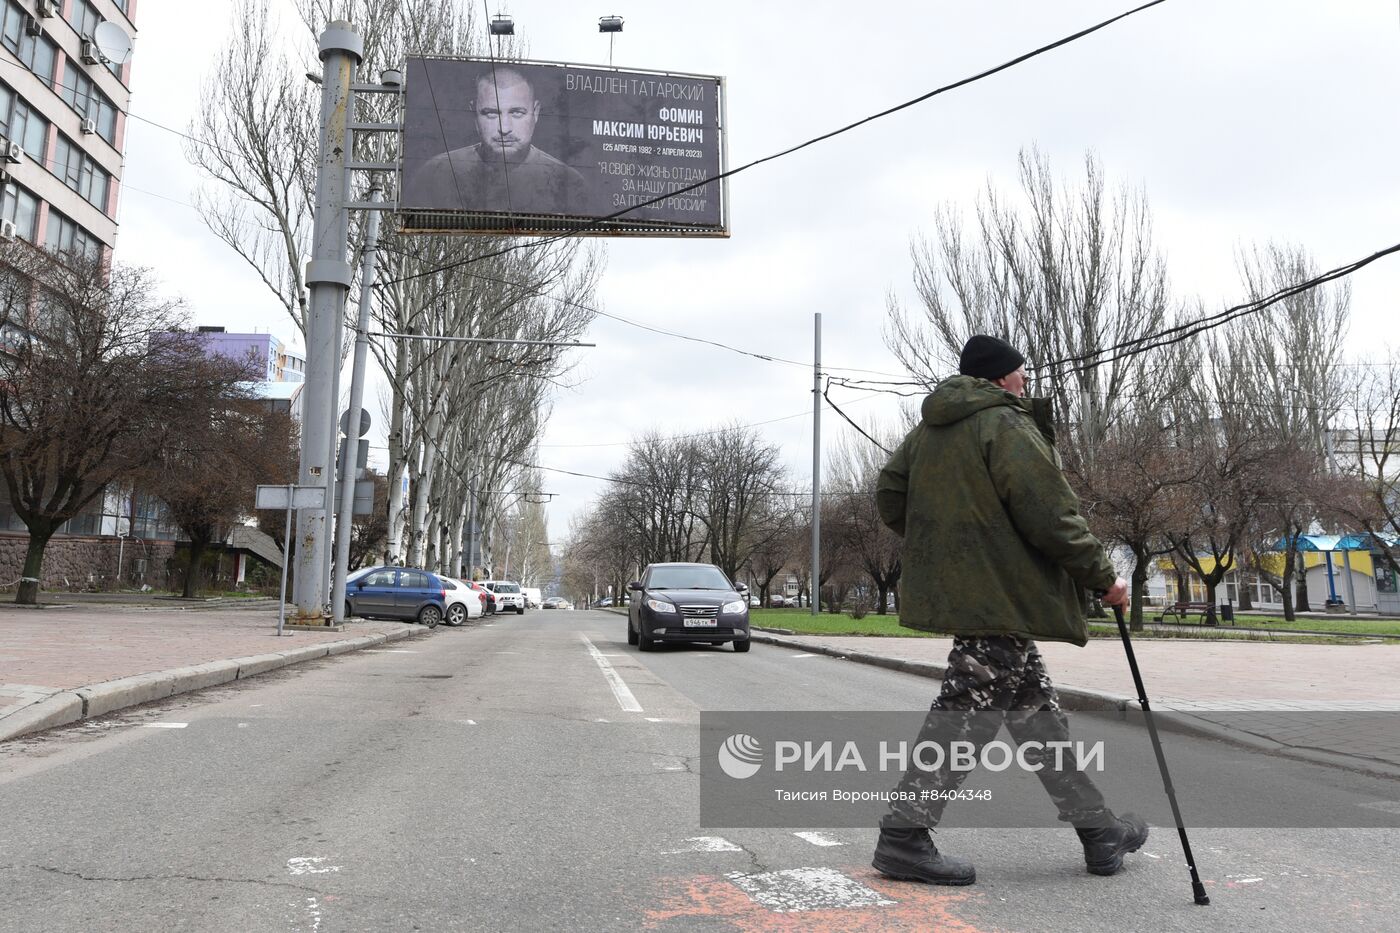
[(537, 148)]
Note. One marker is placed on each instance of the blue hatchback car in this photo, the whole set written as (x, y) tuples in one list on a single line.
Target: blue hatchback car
[(396, 593)]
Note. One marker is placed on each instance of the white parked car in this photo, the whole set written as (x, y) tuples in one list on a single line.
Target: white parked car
[(463, 602), (508, 595)]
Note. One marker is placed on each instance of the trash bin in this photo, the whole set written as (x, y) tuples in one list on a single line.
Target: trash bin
[(1227, 613)]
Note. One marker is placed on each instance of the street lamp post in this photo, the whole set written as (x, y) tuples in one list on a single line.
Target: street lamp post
[(611, 25)]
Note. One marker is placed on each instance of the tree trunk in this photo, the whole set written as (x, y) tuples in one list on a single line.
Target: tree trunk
[(1211, 584), (1140, 564), (1302, 590), (197, 549), (1287, 588), (1245, 592), (28, 592), (883, 589)]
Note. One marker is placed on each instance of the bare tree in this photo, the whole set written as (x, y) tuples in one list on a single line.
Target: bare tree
[(207, 476), (1369, 454), (853, 469), (140, 384), (1132, 492), (741, 477), (1068, 272)]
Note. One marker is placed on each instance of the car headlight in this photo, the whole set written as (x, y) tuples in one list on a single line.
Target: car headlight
[(660, 605), (737, 606)]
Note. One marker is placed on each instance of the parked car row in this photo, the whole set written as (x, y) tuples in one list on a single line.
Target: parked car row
[(413, 595)]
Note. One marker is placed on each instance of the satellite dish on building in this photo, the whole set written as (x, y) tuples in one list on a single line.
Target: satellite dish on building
[(113, 42)]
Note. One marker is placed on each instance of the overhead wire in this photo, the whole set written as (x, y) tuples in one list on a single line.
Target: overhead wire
[(535, 291), (680, 437), (1184, 331), (971, 79)]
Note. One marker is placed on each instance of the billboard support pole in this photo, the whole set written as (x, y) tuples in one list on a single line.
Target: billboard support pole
[(345, 512), (816, 587), (328, 277)]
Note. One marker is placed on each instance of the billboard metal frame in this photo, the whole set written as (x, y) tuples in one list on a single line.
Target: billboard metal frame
[(496, 223)]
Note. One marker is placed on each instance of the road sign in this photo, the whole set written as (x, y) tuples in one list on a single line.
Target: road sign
[(364, 498), (345, 422), (291, 497), (361, 455)]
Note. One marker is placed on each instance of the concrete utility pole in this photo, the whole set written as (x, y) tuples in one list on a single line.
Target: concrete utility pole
[(328, 277), (345, 512), (816, 587)]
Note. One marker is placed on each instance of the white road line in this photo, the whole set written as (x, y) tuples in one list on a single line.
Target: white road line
[(624, 696), (166, 725), (467, 722), (389, 651), (310, 865), (705, 844), (820, 839), (798, 889), (802, 655)]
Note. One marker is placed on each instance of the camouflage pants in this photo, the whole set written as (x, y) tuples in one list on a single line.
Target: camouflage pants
[(990, 682)]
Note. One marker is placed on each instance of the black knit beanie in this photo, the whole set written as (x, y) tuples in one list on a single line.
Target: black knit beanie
[(988, 358)]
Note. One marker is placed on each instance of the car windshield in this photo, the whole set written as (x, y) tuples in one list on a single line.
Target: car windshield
[(687, 578), (507, 588)]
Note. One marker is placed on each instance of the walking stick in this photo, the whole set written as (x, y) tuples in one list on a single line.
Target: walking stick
[(1197, 889)]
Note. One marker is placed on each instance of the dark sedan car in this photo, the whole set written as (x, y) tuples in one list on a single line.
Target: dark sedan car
[(687, 604)]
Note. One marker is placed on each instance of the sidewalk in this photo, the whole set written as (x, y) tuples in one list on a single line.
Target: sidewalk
[(1305, 701), (60, 665)]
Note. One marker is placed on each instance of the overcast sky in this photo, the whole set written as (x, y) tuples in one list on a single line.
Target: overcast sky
[(1243, 122)]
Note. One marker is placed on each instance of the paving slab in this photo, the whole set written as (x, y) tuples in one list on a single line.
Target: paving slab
[(64, 664)]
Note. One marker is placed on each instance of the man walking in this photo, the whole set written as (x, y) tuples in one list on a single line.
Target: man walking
[(995, 554)]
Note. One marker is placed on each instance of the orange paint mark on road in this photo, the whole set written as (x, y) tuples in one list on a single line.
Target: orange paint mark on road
[(917, 907)]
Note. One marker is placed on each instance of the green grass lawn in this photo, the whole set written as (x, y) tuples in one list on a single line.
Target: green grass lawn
[(802, 622), (1312, 624)]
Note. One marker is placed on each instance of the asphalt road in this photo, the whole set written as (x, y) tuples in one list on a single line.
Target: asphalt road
[(500, 778)]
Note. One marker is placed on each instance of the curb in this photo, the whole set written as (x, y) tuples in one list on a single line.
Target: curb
[(1076, 699), (70, 706)]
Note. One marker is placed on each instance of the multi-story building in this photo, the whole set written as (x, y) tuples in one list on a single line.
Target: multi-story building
[(282, 369), (63, 103)]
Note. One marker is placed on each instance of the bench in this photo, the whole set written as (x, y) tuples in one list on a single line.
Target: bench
[(1183, 609)]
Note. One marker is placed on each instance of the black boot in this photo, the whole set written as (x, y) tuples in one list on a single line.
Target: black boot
[(1105, 846), (910, 855)]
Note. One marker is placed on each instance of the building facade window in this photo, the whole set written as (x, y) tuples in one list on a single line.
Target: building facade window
[(36, 52), (21, 208), (65, 236), (85, 19), (84, 97), (22, 124), (76, 169)]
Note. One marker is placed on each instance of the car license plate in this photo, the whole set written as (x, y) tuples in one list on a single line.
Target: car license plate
[(700, 623)]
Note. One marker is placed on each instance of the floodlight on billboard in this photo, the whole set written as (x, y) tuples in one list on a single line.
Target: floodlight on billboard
[(539, 148)]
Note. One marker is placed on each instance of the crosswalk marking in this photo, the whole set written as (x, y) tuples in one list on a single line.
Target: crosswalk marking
[(706, 844), (819, 839), (800, 889)]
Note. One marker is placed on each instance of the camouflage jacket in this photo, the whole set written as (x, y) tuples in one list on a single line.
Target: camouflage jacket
[(993, 540)]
